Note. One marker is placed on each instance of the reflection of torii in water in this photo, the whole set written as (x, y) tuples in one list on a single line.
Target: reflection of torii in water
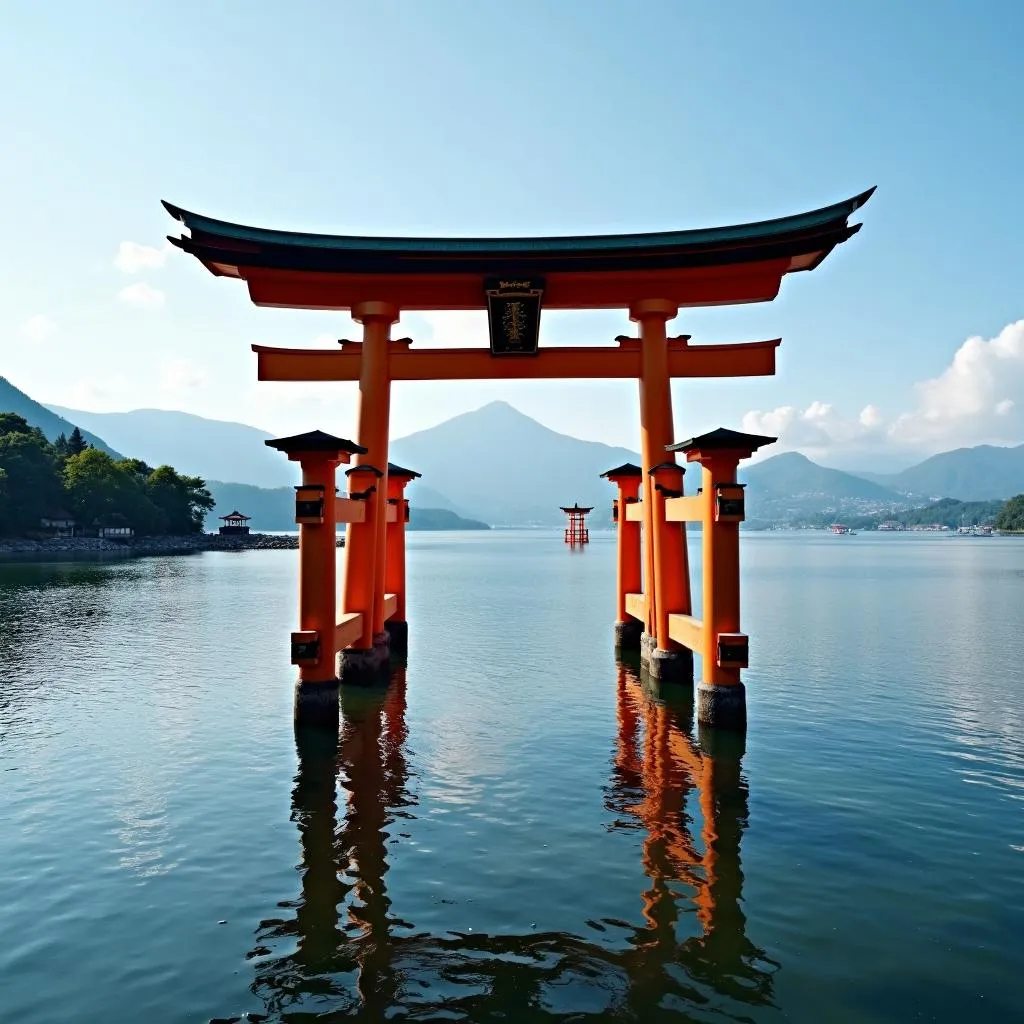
[(669, 767), (358, 967), (347, 964)]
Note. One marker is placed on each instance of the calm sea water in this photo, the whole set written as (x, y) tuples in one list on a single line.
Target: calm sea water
[(516, 830)]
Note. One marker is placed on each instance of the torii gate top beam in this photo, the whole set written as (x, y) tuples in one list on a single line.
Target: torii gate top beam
[(710, 266)]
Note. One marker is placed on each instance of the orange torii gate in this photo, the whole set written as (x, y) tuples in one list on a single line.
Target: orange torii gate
[(576, 531), (651, 275)]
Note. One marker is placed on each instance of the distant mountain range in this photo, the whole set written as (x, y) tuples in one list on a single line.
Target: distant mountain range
[(49, 422), (212, 449), (274, 509), (498, 465), (984, 473)]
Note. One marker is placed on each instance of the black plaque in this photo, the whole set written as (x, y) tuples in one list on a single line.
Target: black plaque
[(307, 510), (513, 314), (733, 652), (305, 650)]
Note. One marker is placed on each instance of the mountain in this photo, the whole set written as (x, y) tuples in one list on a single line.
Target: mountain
[(509, 469), (790, 486), (984, 473), (792, 475), (50, 423), (212, 449), (273, 509)]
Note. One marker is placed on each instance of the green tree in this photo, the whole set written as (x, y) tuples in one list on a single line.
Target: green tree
[(100, 489), (76, 443), (31, 484), (183, 500), (1011, 515)]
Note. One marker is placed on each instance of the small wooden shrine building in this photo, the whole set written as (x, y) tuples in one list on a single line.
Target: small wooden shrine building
[(235, 524)]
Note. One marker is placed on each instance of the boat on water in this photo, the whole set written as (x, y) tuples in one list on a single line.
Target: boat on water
[(974, 530), (841, 530)]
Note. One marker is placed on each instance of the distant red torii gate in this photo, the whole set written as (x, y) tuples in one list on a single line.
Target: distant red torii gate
[(651, 275)]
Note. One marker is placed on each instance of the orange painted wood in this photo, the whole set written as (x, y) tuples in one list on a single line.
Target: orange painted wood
[(347, 631), (629, 575), (694, 286), (348, 510), (636, 605), (317, 569), (720, 550), (688, 631), (684, 510), (744, 359)]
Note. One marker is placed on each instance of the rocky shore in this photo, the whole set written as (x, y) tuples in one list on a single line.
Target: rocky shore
[(138, 546)]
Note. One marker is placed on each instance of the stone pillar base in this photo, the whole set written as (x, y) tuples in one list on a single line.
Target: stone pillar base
[(398, 637), (365, 666), (647, 644), (316, 704), (722, 707), (627, 635), (671, 666)]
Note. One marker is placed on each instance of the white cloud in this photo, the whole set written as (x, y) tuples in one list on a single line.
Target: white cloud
[(870, 416), (973, 399), (977, 399), (38, 328), (142, 294), (178, 375), (132, 257), (447, 329)]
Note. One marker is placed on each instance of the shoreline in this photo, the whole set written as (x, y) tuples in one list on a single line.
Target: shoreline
[(138, 547)]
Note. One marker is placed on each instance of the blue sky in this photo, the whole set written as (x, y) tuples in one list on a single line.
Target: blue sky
[(444, 117)]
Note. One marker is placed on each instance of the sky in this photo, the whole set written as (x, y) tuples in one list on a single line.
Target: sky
[(473, 117)]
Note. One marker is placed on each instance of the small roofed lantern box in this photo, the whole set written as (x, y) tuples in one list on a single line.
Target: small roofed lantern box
[(513, 314), (729, 503), (309, 504)]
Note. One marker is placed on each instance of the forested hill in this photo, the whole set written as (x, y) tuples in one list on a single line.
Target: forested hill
[(69, 479), (52, 425)]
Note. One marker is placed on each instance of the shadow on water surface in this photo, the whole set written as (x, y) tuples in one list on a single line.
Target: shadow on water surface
[(345, 955)]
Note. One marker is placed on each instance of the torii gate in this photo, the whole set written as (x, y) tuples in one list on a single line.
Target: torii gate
[(651, 275)]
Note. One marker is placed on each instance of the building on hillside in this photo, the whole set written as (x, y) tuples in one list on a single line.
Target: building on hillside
[(58, 524), (235, 524), (893, 525)]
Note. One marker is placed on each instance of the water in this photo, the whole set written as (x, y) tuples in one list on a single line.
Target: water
[(517, 830)]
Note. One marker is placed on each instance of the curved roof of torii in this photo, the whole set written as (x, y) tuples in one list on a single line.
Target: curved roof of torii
[(327, 271)]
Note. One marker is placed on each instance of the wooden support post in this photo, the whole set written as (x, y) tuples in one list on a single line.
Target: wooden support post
[(629, 577), (318, 568), (315, 644), (720, 545), (721, 698), (655, 427), (661, 556), (360, 551), (374, 419), (397, 626)]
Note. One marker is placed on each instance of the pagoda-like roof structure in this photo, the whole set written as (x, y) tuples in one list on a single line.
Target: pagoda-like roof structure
[(577, 507), (401, 473), (722, 439), (626, 469), (315, 441), (236, 515), (706, 266)]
